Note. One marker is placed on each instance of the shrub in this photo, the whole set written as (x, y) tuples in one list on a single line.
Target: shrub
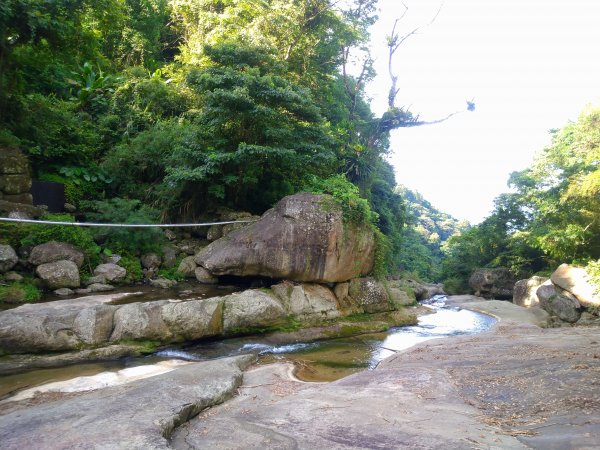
[(133, 266), (20, 292), (127, 240), (79, 237), (171, 273)]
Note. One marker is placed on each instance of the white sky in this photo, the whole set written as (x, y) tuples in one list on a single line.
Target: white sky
[(531, 65)]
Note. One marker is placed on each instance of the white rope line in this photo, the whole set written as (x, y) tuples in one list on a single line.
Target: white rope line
[(121, 225)]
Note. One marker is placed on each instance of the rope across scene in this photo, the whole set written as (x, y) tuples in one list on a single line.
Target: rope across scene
[(122, 225)]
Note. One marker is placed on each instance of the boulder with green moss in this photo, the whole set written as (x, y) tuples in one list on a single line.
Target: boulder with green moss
[(303, 238)]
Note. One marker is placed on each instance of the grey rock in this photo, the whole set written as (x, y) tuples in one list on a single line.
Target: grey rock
[(187, 267), (100, 287), (214, 232), (68, 207), (493, 283), (303, 238), (204, 276), (558, 302), (163, 283), (140, 321), (9, 207), (96, 279), (170, 235), (525, 291), (588, 319), (137, 415), (83, 291), (577, 281), (15, 184), (151, 261), (13, 161), (112, 259), (194, 320), (309, 302), (55, 251), (251, 309), (59, 274), (8, 258), (370, 295), (63, 292), (111, 272), (12, 277)]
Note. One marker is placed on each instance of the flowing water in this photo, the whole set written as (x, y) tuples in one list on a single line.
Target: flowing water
[(316, 361)]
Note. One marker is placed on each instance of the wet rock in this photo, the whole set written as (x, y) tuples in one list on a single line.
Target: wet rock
[(163, 283), (204, 276), (55, 251), (525, 291), (492, 283), (251, 309), (577, 281), (150, 261), (8, 258), (110, 272), (306, 301), (558, 302), (63, 292), (100, 287), (303, 238), (59, 274), (187, 267), (369, 294), (83, 291)]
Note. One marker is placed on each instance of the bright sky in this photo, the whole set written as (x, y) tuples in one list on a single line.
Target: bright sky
[(530, 65)]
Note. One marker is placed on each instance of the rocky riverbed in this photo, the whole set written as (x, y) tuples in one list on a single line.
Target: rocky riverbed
[(516, 386)]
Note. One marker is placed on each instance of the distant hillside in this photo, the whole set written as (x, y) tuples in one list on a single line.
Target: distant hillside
[(426, 231)]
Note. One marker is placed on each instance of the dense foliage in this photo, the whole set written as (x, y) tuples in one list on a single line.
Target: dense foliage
[(426, 232), (186, 106), (552, 217)]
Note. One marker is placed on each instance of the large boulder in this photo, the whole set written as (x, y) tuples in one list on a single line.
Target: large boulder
[(187, 267), (249, 310), (370, 294), (577, 281), (59, 274), (150, 261), (303, 238), (8, 258), (558, 302), (492, 283), (110, 272), (55, 251), (306, 301), (525, 291)]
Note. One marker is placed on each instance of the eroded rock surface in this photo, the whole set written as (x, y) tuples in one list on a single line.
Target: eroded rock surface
[(303, 238)]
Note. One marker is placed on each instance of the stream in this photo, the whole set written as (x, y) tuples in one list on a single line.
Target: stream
[(318, 361)]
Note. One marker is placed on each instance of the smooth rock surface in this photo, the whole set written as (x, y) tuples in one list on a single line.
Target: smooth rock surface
[(55, 251), (139, 415), (303, 238), (576, 281), (525, 291), (492, 283), (8, 258), (370, 295), (59, 274), (558, 302), (251, 309), (110, 272), (307, 301)]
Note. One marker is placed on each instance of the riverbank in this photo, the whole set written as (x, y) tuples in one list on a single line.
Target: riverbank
[(515, 386)]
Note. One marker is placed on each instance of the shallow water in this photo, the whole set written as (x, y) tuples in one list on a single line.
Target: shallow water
[(316, 361)]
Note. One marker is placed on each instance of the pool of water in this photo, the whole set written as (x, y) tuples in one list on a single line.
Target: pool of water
[(315, 361)]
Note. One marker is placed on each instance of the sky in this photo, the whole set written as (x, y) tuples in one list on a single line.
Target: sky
[(529, 65)]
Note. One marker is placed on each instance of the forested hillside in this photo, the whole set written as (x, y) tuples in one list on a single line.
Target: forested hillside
[(424, 237), (185, 106), (551, 217)]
